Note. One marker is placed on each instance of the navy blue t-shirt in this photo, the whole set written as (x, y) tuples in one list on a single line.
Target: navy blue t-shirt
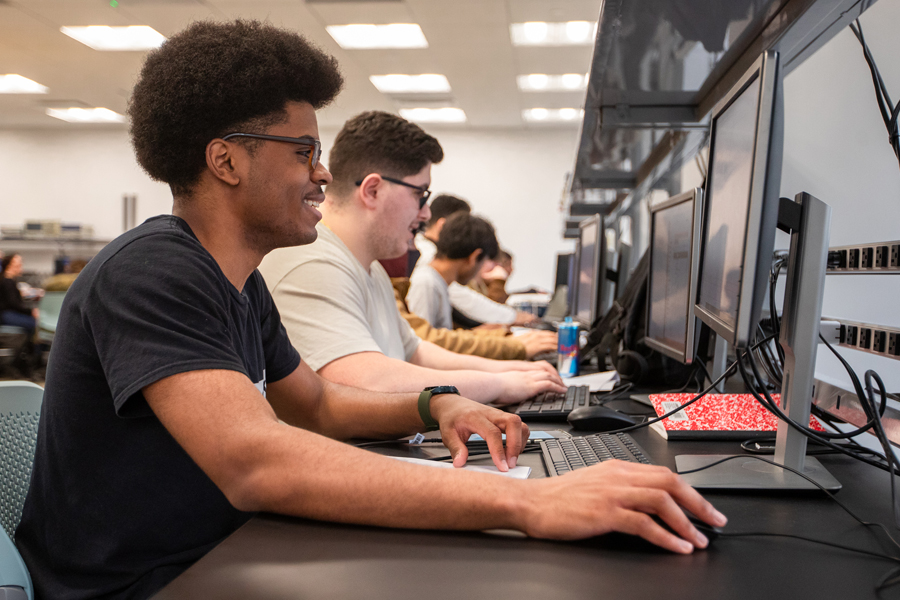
[(116, 508)]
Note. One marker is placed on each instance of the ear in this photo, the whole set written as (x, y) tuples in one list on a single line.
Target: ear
[(221, 162), (369, 190), (473, 258)]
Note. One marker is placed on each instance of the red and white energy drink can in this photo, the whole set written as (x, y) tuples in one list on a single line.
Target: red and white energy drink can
[(567, 352)]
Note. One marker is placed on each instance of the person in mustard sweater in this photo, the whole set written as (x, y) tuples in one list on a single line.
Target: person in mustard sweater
[(489, 343)]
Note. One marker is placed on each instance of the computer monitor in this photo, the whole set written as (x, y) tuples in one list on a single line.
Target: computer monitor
[(674, 257), (740, 216), (562, 269), (741, 203), (588, 274), (623, 268)]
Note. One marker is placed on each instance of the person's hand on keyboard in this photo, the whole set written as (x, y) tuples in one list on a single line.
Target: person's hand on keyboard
[(460, 417), (538, 341), (505, 366), (618, 496), (521, 385)]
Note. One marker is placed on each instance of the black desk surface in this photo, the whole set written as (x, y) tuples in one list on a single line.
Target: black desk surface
[(282, 557)]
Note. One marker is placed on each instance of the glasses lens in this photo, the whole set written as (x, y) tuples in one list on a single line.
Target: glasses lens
[(424, 199)]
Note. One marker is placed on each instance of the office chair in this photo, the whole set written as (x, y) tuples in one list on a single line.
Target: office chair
[(12, 340), (20, 409), (49, 307)]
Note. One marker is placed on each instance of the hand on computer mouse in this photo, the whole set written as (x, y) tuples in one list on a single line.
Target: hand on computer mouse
[(619, 496)]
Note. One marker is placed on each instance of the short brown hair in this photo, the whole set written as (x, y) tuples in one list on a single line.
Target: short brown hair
[(379, 142), (445, 205), (464, 233)]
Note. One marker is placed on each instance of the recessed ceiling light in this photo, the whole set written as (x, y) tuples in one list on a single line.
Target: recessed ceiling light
[(393, 35), (552, 115), (410, 84), (446, 114), (86, 115), (539, 82), (16, 84), (102, 37), (540, 33)]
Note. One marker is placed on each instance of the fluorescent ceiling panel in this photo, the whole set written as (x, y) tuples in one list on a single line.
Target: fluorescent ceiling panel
[(16, 84), (445, 114), (116, 39), (552, 115), (541, 82), (86, 115), (367, 36), (540, 33), (428, 83)]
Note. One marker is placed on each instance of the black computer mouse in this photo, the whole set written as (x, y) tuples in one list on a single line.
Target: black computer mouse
[(599, 418), (703, 527)]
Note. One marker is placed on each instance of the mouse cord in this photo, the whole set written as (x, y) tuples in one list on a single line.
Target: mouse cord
[(890, 579)]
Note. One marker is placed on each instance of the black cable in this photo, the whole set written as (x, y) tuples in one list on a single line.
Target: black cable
[(889, 111), (885, 581), (528, 449), (700, 395), (869, 408)]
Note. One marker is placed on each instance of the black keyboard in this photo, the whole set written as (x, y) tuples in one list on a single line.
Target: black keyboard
[(553, 406), (550, 356), (568, 454)]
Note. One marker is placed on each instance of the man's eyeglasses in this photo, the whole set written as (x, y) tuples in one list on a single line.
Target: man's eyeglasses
[(423, 199), (314, 145)]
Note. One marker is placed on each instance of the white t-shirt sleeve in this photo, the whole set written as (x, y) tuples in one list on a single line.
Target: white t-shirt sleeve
[(479, 307), (325, 321), (423, 298)]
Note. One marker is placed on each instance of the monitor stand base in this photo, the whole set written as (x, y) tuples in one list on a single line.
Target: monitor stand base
[(745, 472)]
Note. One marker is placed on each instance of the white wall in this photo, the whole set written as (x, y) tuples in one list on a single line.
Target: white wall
[(75, 176), (836, 148), (514, 178)]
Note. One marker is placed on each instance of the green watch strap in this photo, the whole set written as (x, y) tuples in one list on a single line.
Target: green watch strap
[(425, 411)]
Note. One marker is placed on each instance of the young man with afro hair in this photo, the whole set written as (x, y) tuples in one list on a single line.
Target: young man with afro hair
[(175, 406)]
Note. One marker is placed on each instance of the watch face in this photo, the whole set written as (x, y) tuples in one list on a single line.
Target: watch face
[(443, 389)]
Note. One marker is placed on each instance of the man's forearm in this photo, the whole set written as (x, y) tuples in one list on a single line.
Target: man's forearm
[(349, 485), (433, 356), (374, 371)]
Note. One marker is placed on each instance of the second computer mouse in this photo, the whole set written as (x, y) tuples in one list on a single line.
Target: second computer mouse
[(599, 418)]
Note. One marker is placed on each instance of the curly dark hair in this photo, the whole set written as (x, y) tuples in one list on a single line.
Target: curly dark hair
[(463, 234), (444, 205), (379, 142), (5, 261), (216, 78)]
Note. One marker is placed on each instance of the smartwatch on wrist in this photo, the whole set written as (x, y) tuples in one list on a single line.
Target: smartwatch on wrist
[(425, 403)]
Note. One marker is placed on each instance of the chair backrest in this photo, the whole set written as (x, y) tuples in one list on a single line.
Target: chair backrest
[(15, 582), (12, 340), (20, 410), (50, 306)]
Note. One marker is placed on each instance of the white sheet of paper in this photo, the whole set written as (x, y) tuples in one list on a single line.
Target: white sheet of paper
[(598, 382), (515, 472)]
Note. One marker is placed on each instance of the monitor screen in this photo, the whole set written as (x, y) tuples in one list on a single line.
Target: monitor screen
[(741, 203), (729, 189), (674, 234), (588, 266)]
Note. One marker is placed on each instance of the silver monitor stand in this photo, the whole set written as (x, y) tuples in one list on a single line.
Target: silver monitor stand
[(799, 337)]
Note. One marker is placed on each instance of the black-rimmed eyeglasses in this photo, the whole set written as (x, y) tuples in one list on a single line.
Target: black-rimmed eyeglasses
[(314, 145), (423, 199)]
